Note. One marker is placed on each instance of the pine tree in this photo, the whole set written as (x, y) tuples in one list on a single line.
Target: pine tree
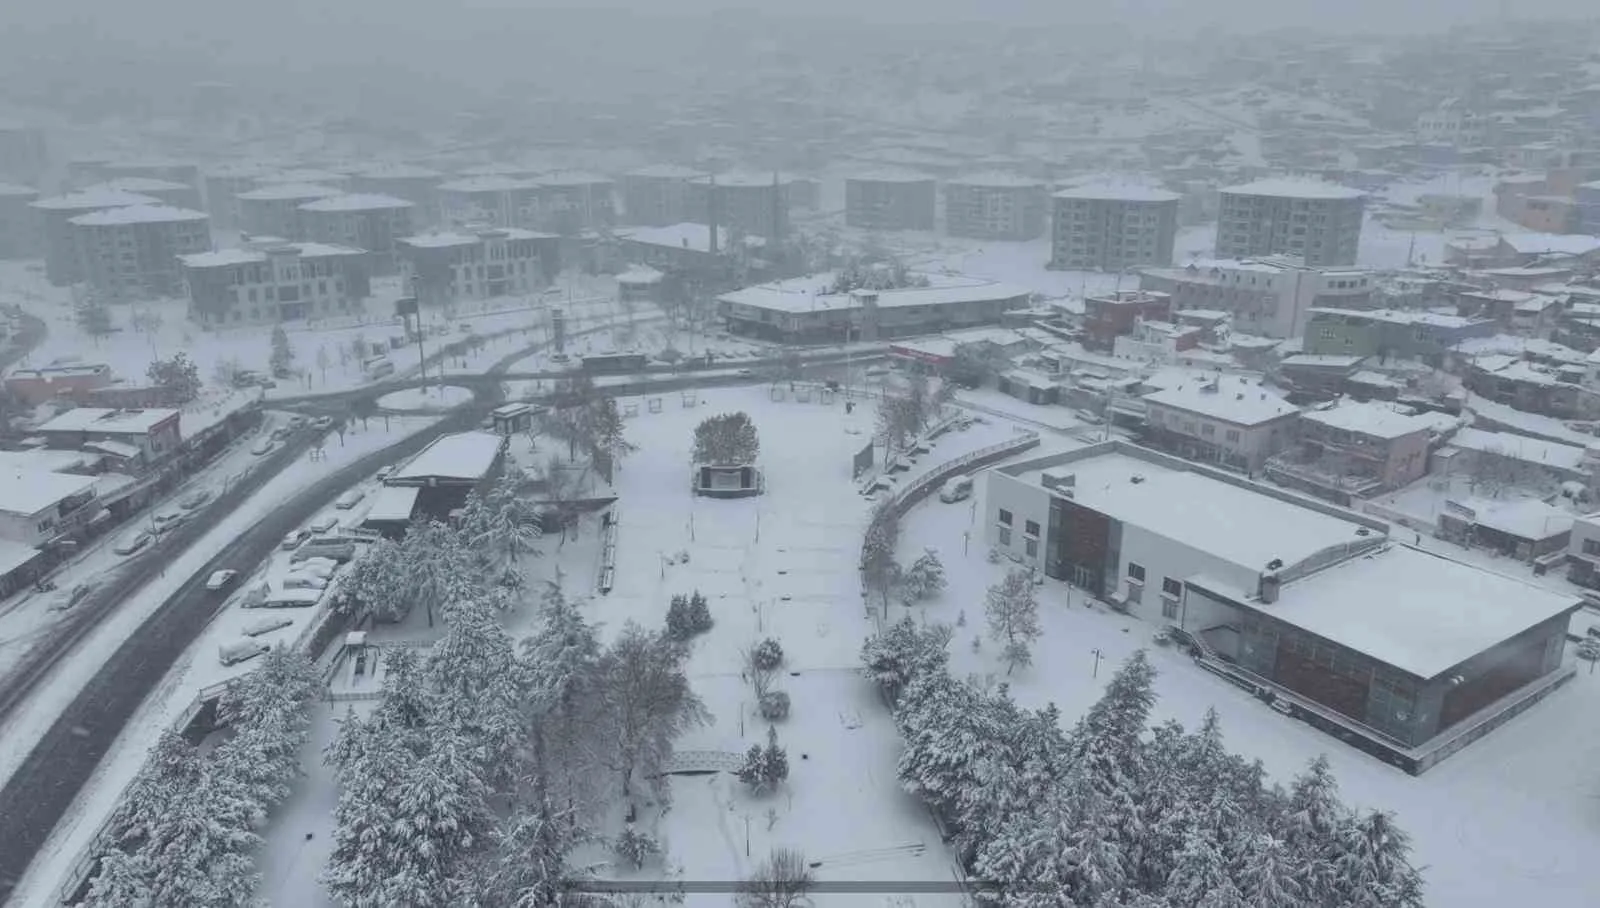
[(1373, 869), (879, 570), (635, 847), (1014, 618), (94, 317), (1311, 820), (1198, 874), (765, 768), (282, 354), (1266, 877), (924, 579), (178, 375), (904, 652), (699, 613), (680, 626)]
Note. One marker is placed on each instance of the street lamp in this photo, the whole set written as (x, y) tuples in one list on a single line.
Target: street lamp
[(1098, 655)]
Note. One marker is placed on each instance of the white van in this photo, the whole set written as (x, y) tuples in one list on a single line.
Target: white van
[(958, 488), (240, 650)]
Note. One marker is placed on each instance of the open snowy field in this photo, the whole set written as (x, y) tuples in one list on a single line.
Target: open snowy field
[(1509, 820), (197, 669)]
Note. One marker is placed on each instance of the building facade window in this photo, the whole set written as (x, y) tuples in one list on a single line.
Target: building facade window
[(1169, 609), (1005, 517), (1135, 572), (1005, 535), (1170, 587), (1031, 528), (1591, 547)]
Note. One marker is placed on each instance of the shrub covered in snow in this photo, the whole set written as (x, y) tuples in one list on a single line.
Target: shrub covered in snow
[(775, 705), (768, 654), (635, 847)]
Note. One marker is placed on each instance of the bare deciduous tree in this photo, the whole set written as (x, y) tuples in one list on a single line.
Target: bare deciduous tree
[(781, 881)]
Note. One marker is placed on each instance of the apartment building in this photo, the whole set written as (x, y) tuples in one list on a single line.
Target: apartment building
[(269, 284), (1354, 450), (363, 221), (300, 176), (62, 265), (995, 206), (168, 171), (224, 183), (1587, 199), (24, 152), (571, 202), (167, 192), (448, 267), (1297, 599), (499, 201), (754, 204), (1390, 333), (132, 253), (1112, 227), (890, 200), (19, 226), (1317, 221), (1113, 315), (417, 185), (1452, 123), (1271, 296), (274, 209), (657, 196), (1228, 420)]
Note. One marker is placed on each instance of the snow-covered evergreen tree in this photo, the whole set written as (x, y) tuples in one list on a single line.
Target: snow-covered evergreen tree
[(1310, 823), (765, 768), (1199, 875), (1013, 614), (905, 651), (1373, 869), (879, 570), (649, 703), (1266, 876), (924, 579)]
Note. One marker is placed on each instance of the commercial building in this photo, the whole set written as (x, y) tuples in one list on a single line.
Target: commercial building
[(498, 201), (1271, 296), (994, 206), (1353, 451), (1112, 227), (274, 209), (657, 196), (142, 436), (890, 200), (62, 265), (132, 253), (40, 506), (753, 204), (447, 267), (363, 221), (272, 283), (449, 469), (1389, 333), (1319, 222), (1222, 419), (804, 310), (1113, 315), (64, 381), (1405, 654), (19, 224), (167, 192)]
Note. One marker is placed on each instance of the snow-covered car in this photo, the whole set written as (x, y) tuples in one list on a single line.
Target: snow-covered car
[(267, 625), (194, 499), (220, 579), (132, 544), (262, 447), (876, 371), (350, 499), (295, 580), (316, 567), (323, 422), (241, 650), (323, 524), (383, 473), (293, 539), (166, 520)]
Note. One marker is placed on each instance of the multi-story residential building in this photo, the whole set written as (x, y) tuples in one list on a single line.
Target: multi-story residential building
[(1222, 419), (1389, 333), (890, 200), (1157, 342), (24, 153), (1271, 296), (155, 169), (274, 209), (804, 310), (752, 204), (1587, 199), (132, 253), (1451, 123), (657, 196), (1111, 227), (995, 206), (66, 381), (62, 266), (499, 201), (1535, 387), (1312, 604), (444, 268), (571, 202), (167, 192), (19, 224), (1583, 552), (86, 170), (300, 176), (224, 183), (1317, 221), (417, 185), (1113, 315), (139, 438), (361, 220), (268, 284), (1354, 450)]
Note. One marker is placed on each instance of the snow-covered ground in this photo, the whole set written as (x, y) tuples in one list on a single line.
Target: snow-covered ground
[(1508, 820), (433, 397), (197, 669)]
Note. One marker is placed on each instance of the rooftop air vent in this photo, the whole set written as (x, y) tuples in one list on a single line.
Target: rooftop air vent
[(1136, 479), (1363, 531)]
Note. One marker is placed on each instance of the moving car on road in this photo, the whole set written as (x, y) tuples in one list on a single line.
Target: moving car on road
[(194, 499), (132, 543), (166, 520), (262, 447), (293, 540), (220, 579)]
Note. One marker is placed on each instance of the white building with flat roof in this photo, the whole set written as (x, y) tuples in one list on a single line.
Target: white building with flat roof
[(807, 310), (1270, 296), (1318, 221), (1112, 226)]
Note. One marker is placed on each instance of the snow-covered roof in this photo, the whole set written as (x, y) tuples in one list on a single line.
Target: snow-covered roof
[(809, 294), (678, 236), (1525, 518), (356, 201), (108, 421), (571, 178), (445, 239), (1400, 317), (27, 492), (1118, 192), (889, 175), (1234, 400), (640, 274), (222, 258), (748, 179), (997, 180), (14, 555), (94, 200), (302, 175), (1419, 612), (1374, 419), (392, 171), (666, 172), (464, 455), (13, 189), (393, 503), (1553, 243), (114, 448), (139, 184), (288, 192), (1233, 522), (486, 183), (1322, 360), (1295, 188), (46, 460), (1520, 447), (138, 214)]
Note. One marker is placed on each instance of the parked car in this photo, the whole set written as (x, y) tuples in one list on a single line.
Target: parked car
[(166, 520), (267, 625), (958, 488), (262, 447), (195, 499), (383, 473), (876, 371), (71, 598), (323, 423), (220, 580), (293, 539), (349, 499), (296, 422), (323, 524), (294, 580), (132, 544), (337, 550), (240, 650)]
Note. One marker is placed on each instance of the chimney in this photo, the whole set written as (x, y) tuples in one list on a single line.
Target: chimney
[(1270, 586)]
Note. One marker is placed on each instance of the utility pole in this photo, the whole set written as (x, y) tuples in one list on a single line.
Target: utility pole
[(1097, 657), (416, 312)]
